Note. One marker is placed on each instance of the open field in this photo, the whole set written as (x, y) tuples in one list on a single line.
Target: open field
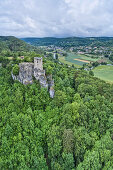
[(77, 59), (104, 72), (62, 60), (71, 58)]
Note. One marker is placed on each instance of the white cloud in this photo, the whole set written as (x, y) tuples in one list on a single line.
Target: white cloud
[(59, 18)]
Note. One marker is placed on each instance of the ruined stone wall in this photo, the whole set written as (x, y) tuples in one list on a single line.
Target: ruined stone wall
[(43, 81), (28, 70), (38, 73)]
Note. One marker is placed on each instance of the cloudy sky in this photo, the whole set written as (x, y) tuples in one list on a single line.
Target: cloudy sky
[(56, 18)]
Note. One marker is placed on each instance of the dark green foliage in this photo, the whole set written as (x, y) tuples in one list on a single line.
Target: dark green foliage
[(68, 141), (56, 56), (16, 70), (74, 130), (71, 41), (111, 58), (13, 44), (49, 70), (91, 73)]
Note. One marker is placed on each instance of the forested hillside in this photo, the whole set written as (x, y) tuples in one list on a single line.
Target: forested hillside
[(13, 44), (74, 130), (70, 42), (12, 48)]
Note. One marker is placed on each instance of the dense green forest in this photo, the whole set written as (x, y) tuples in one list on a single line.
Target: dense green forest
[(10, 45), (72, 131), (13, 44), (70, 42)]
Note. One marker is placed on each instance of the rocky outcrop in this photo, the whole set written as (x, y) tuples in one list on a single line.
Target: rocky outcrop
[(51, 92), (50, 80), (51, 85), (15, 77), (29, 70)]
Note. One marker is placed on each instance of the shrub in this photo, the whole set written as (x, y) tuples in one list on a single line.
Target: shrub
[(91, 73), (16, 70)]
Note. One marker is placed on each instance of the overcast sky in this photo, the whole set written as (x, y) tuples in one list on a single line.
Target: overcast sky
[(56, 18)]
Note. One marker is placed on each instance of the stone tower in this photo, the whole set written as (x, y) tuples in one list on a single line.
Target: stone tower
[(38, 63)]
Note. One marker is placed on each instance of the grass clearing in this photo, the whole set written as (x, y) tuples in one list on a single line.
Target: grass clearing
[(62, 60), (77, 59), (88, 58), (10, 58), (104, 72)]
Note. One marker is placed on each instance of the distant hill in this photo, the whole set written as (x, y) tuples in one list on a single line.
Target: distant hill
[(70, 41), (13, 44)]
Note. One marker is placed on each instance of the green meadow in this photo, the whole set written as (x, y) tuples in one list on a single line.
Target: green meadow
[(77, 59), (104, 72), (63, 60)]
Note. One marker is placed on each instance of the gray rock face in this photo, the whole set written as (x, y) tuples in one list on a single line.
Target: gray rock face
[(43, 81), (50, 81), (15, 77), (51, 86), (28, 70), (51, 92)]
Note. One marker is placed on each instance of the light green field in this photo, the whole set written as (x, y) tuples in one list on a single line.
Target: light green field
[(104, 73), (76, 59), (88, 58), (10, 58), (62, 60)]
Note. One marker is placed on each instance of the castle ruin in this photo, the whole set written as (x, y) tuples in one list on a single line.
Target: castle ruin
[(29, 70)]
